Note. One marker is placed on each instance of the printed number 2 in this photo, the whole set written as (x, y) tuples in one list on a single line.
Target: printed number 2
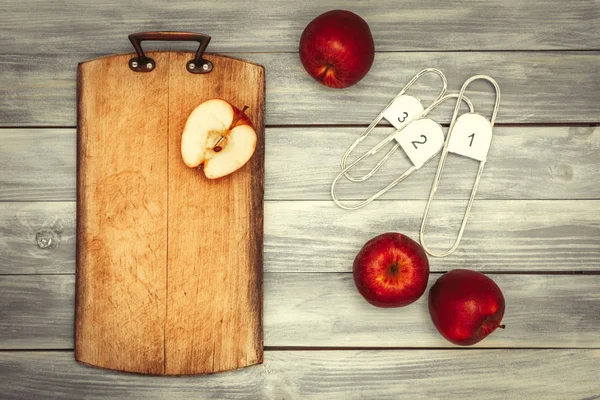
[(403, 118), (472, 136), (414, 143)]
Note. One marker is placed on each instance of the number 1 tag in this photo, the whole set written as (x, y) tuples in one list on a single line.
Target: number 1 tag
[(402, 110), (471, 136), (421, 140)]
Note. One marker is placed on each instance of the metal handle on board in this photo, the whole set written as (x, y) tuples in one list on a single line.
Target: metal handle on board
[(142, 63)]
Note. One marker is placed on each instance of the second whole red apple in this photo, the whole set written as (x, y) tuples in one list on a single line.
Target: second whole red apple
[(391, 270)]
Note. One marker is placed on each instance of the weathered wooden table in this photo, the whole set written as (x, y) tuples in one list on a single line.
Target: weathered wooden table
[(535, 226)]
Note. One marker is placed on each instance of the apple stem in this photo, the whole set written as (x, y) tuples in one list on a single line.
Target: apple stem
[(216, 147), (239, 116), (502, 326)]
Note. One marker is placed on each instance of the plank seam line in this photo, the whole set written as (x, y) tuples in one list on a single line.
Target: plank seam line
[(450, 199), (309, 200), (294, 52), (334, 349), (557, 124), (493, 272), (167, 218), (403, 348)]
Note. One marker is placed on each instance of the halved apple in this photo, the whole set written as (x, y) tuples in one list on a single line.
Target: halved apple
[(219, 137)]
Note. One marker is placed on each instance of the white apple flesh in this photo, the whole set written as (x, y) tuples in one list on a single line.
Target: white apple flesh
[(219, 137)]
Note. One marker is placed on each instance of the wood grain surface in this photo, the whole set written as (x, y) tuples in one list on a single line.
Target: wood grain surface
[(39, 164), (535, 225), (537, 87), (163, 251), (102, 26), (37, 238), (324, 310), (122, 215), (215, 232), (351, 374), (501, 236)]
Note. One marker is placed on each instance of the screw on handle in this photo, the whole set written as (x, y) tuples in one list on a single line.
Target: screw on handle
[(142, 63)]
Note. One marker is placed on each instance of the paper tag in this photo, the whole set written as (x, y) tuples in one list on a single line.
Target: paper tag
[(403, 110), (471, 136), (421, 140)]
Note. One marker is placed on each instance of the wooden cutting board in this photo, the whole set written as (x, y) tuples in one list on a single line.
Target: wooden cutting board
[(169, 263)]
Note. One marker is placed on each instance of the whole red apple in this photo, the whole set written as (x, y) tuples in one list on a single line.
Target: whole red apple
[(466, 306), (337, 48), (391, 270)]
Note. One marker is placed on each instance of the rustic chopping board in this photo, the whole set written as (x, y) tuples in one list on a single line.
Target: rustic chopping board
[(169, 263)]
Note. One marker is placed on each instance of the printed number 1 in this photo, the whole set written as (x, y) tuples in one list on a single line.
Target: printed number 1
[(472, 136), (414, 143), (404, 116)]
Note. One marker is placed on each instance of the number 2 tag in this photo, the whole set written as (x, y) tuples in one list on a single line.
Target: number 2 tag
[(402, 110), (471, 136), (421, 140)]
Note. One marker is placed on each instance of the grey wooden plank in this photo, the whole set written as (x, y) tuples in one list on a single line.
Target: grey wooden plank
[(524, 163), (56, 375), (505, 374), (499, 236), (517, 236), (37, 238), (38, 163), (423, 374), (316, 309), (82, 27), (326, 310), (25, 303), (537, 87)]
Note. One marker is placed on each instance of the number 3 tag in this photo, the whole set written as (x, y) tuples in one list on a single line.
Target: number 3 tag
[(471, 137), (402, 110), (421, 140)]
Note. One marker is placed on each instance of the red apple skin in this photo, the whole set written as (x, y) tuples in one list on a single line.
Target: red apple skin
[(466, 306), (391, 270), (239, 118), (337, 48)]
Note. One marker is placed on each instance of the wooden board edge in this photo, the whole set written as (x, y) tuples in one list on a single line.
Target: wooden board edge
[(258, 210), (107, 368), (200, 374), (152, 374), (97, 59), (237, 59), (79, 222)]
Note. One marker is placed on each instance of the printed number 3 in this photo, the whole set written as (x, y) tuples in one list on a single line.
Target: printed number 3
[(472, 136), (404, 116), (414, 143)]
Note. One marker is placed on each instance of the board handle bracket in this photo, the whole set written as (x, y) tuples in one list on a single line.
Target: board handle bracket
[(142, 63)]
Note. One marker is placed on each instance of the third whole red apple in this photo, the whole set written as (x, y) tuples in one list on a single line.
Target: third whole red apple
[(466, 306)]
